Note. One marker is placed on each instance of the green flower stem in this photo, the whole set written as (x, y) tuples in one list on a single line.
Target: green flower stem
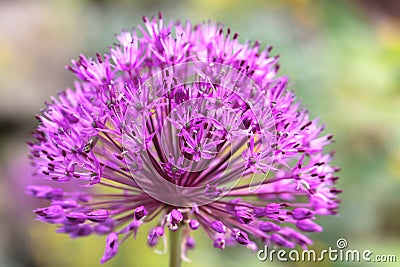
[(175, 248)]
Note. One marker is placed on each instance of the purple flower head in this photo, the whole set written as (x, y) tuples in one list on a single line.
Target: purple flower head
[(44, 191), (140, 212), (219, 243), (301, 213), (188, 244), (50, 214), (308, 226), (244, 217), (66, 203), (98, 215), (134, 227), (175, 217), (154, 235), (111, 247), (267, 226), (194, 224), (241, 237), (183, 127), (218, 226), (75, 218)]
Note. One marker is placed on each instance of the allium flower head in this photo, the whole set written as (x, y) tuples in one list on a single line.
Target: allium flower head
[(183, 127)]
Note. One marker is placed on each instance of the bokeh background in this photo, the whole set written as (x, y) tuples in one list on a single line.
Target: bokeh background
[(343, 58)]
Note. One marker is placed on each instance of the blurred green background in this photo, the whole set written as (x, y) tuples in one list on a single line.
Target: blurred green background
[(343, 58)]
